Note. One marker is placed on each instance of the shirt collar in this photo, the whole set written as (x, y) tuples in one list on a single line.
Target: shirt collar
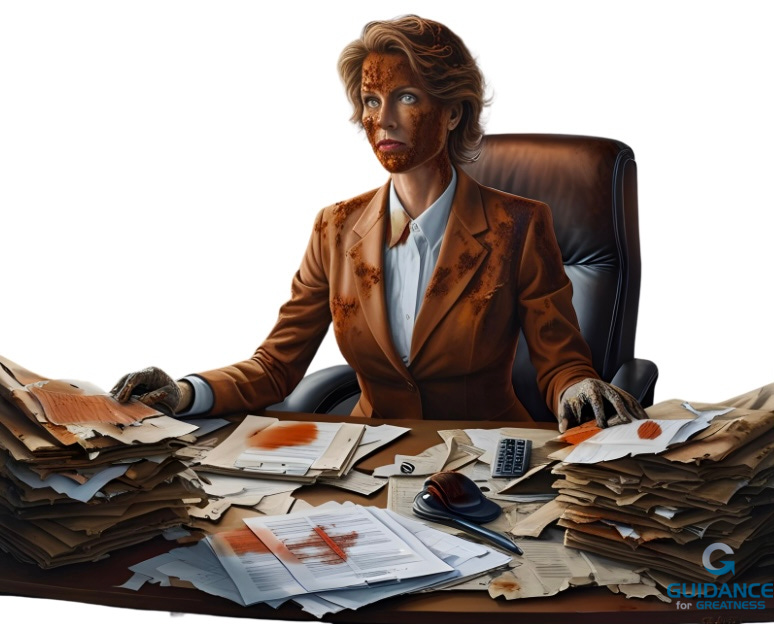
[(432, 221)]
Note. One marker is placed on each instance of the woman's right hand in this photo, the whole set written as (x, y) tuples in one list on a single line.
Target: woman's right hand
[(155, 388)]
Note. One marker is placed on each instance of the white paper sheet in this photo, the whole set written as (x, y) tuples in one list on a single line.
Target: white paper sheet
[(83, 492), (640, 437), (343, 548)]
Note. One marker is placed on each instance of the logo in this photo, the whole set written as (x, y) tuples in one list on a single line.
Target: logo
[(725, 565), (408, 468)]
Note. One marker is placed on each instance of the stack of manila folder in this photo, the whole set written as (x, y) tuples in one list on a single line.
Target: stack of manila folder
[(660, 492), (82, 475)]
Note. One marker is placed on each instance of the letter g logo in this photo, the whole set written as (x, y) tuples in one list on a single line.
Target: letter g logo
[(725, 566)]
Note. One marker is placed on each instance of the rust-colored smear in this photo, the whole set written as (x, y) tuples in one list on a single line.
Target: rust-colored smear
[(283, 434), (64, 403), (321, 546), (331, 543), (343, 209), (342, 309), (439, 284), (545, 241), (504, 585), (578, 434), (465, 263), (244, 541), (369, 275), (421, 126), (649, 430), (443, 164)]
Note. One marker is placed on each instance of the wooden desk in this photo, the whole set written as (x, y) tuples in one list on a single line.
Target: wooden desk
[(91, 583)]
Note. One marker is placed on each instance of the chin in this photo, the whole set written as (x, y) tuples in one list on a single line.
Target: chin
[(394, 166)]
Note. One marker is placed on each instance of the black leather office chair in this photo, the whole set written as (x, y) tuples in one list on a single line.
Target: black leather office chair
[(591, 186)]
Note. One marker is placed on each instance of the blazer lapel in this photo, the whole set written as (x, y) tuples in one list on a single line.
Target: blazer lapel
[(366, 259), (460, 257)]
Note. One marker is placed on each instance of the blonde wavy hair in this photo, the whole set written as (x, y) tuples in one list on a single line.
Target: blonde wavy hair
[(443, 64)]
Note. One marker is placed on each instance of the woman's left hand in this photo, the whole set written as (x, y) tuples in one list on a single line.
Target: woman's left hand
[(594, 399)]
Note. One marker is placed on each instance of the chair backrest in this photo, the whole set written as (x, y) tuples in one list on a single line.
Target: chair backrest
[(591, 186)]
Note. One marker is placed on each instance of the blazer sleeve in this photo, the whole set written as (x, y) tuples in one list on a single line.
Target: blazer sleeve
[(557, 349), (282, 359)]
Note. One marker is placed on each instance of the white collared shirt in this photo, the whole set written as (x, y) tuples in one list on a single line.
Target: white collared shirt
[(409, 266)]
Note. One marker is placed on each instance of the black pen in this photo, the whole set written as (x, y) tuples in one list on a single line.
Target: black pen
[(501, 540), (428, 508)]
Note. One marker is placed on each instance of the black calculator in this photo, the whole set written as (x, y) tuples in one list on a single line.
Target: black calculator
[(511, 457)]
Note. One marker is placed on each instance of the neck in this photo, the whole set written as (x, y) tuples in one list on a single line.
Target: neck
[(419, 188)]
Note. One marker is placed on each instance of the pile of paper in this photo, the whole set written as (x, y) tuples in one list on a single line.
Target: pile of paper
[(326, 559), (304, 452), (660, 492), (80, 474)]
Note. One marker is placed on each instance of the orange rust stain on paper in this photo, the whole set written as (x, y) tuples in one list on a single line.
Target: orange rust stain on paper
[(578, 434), (323, 547), (64, 403), (243, 541), (504, 585), (649, 430), (281, 435)]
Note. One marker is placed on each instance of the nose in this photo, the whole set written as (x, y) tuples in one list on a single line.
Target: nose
[(387, 118)]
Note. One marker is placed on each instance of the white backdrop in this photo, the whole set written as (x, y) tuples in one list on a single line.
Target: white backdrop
[(161, 164)]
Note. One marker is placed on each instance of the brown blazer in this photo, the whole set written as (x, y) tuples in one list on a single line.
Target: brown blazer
[(499, 271)]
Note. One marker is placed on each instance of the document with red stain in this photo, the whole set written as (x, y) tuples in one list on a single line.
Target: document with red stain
[(294, 451), (345, 547), (640, 437)]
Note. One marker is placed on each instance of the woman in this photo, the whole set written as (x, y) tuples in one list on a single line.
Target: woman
[(427, 280)]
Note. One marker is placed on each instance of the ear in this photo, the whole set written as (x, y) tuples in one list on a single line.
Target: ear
[(455, 115)]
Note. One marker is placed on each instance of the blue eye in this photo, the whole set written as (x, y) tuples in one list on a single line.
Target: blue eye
[(371, 102), (408, 99)]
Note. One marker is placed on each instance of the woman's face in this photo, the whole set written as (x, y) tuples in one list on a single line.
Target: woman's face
[(406, 127)]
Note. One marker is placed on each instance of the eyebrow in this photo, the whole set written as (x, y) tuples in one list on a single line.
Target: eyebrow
[(365, 89)]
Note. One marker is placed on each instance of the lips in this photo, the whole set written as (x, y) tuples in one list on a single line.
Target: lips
[(389, 145)]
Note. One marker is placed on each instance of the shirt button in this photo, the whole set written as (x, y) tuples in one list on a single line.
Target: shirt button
[(414, 226), (410, 386), (408, 316)]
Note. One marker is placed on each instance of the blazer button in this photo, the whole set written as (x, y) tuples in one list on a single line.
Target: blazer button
[(410, 386)]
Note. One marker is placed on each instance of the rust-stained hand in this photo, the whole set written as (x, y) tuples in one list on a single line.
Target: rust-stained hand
[(594, 399), (152, 386)]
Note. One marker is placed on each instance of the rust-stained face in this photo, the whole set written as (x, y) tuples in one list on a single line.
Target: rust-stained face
[(406, 127)]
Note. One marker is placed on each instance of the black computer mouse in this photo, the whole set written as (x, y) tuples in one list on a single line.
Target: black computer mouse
[(460, 496)]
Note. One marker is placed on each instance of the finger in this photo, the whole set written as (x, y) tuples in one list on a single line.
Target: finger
[(566, 417), (119, 386), (613, 396), (130, 382), (159, 400), (633, 405), (598, 408), (577, 408), (154, 397), (615, 420), (630, 404)]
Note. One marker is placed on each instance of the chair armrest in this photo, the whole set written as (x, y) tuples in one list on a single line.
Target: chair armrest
[(638, 377), (321, 391)]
